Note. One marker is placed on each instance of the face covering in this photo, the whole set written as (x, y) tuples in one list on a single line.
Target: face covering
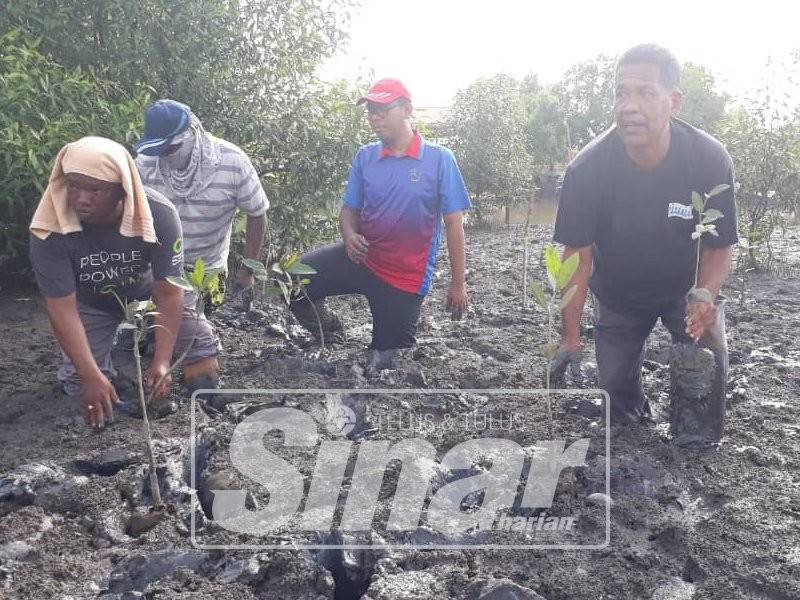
[(179, 159)]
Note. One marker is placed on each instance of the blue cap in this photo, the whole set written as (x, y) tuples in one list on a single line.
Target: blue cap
[(163, 120)]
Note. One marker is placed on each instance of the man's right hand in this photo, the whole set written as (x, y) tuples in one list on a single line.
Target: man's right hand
[(97, 397), (569, 354), (356, 246)]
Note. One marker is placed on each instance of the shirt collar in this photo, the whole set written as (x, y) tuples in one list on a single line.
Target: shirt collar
[(414, 148)]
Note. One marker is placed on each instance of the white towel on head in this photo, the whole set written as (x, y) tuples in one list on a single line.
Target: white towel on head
[(102, 159)]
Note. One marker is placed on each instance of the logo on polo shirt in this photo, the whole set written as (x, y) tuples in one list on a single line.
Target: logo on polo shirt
[(682, 211), (413, 175)]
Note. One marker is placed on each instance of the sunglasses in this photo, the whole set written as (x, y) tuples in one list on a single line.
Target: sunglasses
[(381, 110)]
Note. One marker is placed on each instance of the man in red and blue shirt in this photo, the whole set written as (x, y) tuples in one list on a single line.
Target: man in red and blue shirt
[(401, 190)]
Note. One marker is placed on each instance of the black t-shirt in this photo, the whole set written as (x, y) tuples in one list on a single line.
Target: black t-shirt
[(639, 223), (97, 259)]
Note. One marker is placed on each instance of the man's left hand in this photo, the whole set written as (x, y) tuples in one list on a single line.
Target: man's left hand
[(457, 300), (700, 316), (156, 372)]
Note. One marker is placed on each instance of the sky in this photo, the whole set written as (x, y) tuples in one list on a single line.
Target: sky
[(440, 46)]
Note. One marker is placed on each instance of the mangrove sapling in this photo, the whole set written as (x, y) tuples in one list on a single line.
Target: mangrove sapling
[(137, 319), (204, 283), (743, 267), (706, 218), (286, 278), (525, 252), (697, 386), (559, 274)]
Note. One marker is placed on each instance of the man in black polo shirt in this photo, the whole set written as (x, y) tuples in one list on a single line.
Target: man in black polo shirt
[(626, 209)]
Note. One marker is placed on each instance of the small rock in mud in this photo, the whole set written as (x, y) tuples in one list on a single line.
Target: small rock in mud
[(407, 585), (674, 589), (500, 589), (305, 579), (15, 551), (109, 462), (599, 499), (585, 408), (141, 522), (221, 480), (244, 571), (41, 484), (136, 572)]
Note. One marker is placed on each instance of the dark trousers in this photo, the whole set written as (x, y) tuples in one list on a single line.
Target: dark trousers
[(620, 346), (394, 312)]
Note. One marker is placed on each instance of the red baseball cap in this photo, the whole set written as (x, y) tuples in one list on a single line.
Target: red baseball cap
[(385, 91)]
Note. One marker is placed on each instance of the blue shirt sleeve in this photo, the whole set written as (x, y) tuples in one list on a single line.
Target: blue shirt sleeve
[(354, 195), (452, 189)]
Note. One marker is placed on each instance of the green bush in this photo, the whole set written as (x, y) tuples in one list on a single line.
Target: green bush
[(45, 106), (247, 69)]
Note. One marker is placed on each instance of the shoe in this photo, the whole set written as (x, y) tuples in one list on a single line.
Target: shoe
[(216, 401)]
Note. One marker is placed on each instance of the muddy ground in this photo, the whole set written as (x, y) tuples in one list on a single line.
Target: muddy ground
[(685, 524)]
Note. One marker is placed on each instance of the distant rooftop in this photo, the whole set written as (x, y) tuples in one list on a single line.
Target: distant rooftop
[(431, 114)]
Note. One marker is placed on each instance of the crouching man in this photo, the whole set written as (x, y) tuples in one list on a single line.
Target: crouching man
[(98, 230), (400, 192)]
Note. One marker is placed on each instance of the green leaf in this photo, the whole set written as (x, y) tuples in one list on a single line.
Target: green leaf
[(697, 202), (287, 263), (713, 231), (287, 294), (711, 215), (254, 265), (302, 269), (539, 294), (552, 261), (568, 268), (718, 189), (211, 278), (181, 282), (138, 306), (701, 294), (198, 273), (549, 350), (567, 297)]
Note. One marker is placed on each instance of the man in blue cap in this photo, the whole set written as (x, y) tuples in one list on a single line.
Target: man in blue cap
[(207, 179)]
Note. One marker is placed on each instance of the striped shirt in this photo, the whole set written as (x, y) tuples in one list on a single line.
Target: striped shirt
[(207, 216)]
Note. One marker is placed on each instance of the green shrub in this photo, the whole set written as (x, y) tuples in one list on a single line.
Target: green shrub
[(45, 106)]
